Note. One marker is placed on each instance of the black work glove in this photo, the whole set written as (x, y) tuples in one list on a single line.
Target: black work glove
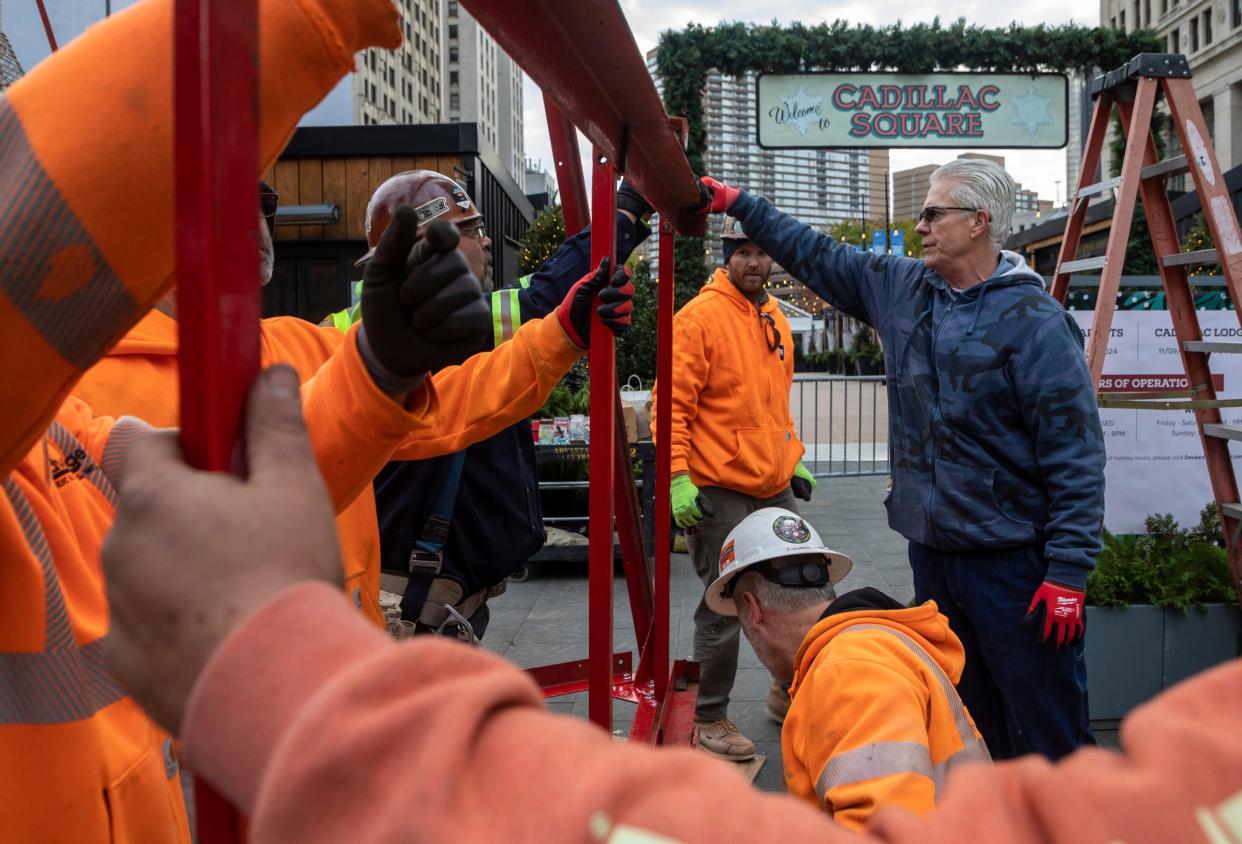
[(616, 304), (422, 308), (800, 488), (629, 199)]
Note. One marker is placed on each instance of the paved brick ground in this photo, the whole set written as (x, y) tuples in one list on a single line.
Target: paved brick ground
[(545, 619)]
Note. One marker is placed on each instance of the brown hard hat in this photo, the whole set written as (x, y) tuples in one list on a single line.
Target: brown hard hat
[(432, 195)]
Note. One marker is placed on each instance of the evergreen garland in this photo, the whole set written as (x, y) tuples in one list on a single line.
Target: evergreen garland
[(734, 49)]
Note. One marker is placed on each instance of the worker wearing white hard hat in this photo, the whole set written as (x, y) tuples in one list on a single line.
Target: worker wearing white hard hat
[(874, 719)]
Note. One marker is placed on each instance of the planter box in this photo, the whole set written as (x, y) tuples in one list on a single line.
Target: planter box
[(1133, 653)]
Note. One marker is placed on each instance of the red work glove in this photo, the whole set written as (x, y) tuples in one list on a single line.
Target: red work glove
[(1056, 613), (616, 304), (717, 196)]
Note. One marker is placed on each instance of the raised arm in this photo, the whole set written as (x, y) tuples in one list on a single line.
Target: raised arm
[(854, 282)]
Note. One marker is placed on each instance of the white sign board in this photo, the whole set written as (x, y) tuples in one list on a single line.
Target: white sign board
[(1155, 457), (834, 110)]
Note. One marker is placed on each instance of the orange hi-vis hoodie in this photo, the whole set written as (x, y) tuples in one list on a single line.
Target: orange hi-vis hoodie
[(86, 245), (331, 700), (139, 378), (731, 425), (875, 720)]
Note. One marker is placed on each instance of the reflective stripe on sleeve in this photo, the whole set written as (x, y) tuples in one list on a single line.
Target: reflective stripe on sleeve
[(506, 314)]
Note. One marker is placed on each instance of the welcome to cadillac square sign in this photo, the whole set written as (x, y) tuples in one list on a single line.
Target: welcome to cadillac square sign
[(817, 110)]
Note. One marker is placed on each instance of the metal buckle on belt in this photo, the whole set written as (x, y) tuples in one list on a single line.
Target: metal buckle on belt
[(427, 563)]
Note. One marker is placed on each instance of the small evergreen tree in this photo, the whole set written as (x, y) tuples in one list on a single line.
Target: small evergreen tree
[(544, 237)]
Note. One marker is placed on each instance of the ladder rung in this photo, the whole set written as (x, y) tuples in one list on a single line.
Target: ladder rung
[(1099, 187), (1213, 346), (1083, 264), (1224, 432), (1181, 259), (1174, 166), (1230, 509)]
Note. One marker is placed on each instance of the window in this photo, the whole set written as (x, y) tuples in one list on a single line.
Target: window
[(1194, 34), (1121, 20), (372, 59), (1175, 41), (1147, 11), (453, 51), (454, 101), (453, 77), (452, 32), (1237, 13), (1164, 6), (1112, 22), (1138, 19), (1207, 27), (452, 8)]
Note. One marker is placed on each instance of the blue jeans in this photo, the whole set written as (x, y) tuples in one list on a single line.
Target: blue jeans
[(1024, 697)]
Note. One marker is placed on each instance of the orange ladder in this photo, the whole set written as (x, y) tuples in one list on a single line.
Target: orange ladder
[(1133, 89)]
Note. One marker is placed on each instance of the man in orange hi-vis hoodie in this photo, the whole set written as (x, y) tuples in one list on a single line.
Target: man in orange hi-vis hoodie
[(734, 450), (324, 730), (139, 378), (875, 720), (87, 249)]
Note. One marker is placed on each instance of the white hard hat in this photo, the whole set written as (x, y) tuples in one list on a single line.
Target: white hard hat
[(769, 534)]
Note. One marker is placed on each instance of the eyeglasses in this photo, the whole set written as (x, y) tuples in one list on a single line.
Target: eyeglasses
[(268, 202), (475, 228), (932, 213), (771, 333)]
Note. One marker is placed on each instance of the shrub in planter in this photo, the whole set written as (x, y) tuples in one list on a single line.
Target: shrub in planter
[(1165, 567), (1140, 638)]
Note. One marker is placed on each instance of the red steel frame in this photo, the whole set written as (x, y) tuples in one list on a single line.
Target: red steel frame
[(605, 88), (604, 85), (216, 60)]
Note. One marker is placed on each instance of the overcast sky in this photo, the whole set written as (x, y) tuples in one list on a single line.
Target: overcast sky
[(1037, 169)]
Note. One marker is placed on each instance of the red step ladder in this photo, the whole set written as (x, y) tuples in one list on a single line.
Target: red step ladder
[(1133, 88)]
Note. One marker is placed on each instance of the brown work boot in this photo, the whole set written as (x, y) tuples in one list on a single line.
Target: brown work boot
[(778, 701), (721, 738)]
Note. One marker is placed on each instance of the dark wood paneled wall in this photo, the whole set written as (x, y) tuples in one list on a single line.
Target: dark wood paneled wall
[(348, 182)]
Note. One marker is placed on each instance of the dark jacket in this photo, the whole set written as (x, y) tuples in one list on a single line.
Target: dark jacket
[(497, 523), (993, 424)]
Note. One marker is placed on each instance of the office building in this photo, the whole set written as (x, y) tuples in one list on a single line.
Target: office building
[(483, 86)]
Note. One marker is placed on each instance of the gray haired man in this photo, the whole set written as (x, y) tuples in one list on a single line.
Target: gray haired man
[(998, 455)]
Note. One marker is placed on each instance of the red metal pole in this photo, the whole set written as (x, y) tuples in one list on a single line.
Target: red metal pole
[(602, 456), (569, 176), (47, 25), (664, 456), (216, 64)]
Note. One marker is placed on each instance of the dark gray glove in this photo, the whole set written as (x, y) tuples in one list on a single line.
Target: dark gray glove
[(422, 308), (629, 199)]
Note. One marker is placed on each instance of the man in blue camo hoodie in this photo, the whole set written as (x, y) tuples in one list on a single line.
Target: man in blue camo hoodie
[(997, 450)]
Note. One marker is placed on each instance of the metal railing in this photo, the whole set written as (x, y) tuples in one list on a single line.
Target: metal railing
[(843, 422)]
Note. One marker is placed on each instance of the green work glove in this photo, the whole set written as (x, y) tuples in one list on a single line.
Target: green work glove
[(683, 494), (803, 482)]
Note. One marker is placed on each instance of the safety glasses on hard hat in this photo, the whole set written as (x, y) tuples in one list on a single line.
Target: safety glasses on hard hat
[(795, 571), (771, 333)]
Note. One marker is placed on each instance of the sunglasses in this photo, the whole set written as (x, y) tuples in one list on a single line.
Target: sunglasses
[(771, 333), (932, 213)]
